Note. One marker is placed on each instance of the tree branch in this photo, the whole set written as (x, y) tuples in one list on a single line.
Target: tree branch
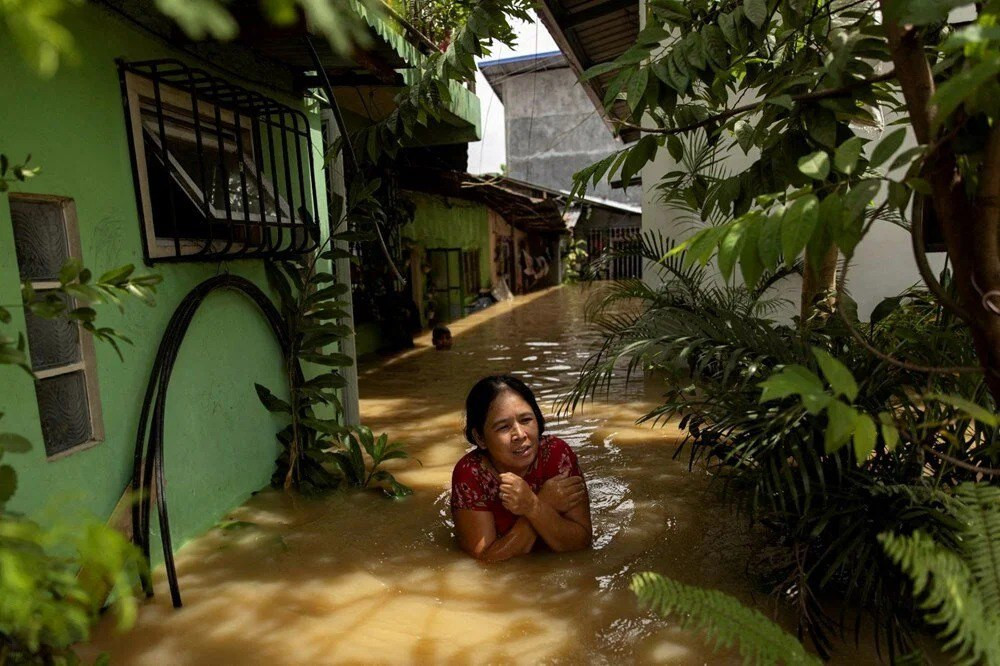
[(753, 106), (915, 75), (988, 471), (913, 367), (924, 267)]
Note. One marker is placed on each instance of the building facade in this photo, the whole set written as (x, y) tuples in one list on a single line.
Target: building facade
[(191, 161)]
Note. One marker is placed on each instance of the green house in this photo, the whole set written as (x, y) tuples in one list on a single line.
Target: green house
[(191, 160)]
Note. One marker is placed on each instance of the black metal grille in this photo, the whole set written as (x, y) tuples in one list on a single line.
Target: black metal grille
[(228, 173), (622, 243)]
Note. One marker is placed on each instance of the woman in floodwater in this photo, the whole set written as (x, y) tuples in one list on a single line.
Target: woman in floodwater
[(517, 489)]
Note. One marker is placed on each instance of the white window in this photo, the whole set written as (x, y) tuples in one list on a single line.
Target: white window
[(223, 155), (62, 356)]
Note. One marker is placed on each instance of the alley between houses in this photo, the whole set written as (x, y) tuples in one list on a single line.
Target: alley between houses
[(354, 578)]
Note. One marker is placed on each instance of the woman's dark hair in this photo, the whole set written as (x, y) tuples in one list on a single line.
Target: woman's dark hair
[(485, 392)]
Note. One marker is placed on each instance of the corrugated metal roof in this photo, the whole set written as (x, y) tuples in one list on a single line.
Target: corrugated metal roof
[(591, 32)]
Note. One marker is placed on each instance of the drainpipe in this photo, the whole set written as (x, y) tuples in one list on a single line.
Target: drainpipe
[(342, 271)]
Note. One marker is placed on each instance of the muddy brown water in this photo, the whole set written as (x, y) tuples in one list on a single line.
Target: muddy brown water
[(356, 579)]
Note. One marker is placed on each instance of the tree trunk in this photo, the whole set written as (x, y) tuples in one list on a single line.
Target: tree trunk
[(819, 286), (971, 228)]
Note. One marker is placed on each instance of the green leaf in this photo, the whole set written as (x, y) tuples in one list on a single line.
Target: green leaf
[(12, 443), (723, 620), (8, 483), (750, 262), (841, 421), (798, 226), (846, 158), (822, 126), (815, 165), (890, 435), (885, 308), (837, 375), (699, 247), (755, 11), (864, 438), (117, 276), (716, 49), (729, 248), (271, 402), (769, 243), (675, 148), (642, 152), (977, 412), (784, 101), (728, 24), (956, 89), (70, 270), (332, 359), (790, 380), (887, 147)]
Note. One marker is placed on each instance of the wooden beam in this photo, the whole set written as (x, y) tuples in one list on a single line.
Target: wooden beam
[(573, 19)]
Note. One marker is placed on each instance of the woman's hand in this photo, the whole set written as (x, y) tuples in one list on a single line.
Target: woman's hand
[(562, 492), (516, 495)]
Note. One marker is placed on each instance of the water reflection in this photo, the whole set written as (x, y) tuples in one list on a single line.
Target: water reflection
[(353, 578)]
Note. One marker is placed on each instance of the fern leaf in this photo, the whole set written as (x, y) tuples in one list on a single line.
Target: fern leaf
[(950, 595), (723, 619), (979, 513)]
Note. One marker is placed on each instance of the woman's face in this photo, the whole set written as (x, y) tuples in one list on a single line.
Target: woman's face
[(510, 433)]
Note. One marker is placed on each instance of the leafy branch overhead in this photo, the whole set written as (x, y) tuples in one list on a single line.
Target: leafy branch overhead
[(798, 92)]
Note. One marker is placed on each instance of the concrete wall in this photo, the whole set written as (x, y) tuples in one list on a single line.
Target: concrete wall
[(220, 442), (554, 130)]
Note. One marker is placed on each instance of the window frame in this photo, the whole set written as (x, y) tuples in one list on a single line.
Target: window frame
[(88, 354), (137, 88)]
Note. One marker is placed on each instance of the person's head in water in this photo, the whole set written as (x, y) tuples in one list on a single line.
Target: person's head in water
[(441, 338), (502, 418)]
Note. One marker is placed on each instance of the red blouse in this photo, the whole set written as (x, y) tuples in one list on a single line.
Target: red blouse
[(475, 485)]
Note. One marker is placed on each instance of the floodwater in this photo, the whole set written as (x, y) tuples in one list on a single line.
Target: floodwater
[(357, 579)]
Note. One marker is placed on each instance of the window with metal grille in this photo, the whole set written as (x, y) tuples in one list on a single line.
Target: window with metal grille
[(221, 171), (45, 237)]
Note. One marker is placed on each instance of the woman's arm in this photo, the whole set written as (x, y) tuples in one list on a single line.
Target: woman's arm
[(477, 536), (562, 533)]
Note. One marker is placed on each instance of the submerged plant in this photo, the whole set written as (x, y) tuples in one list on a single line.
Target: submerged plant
[(316, 442), (360, 474)]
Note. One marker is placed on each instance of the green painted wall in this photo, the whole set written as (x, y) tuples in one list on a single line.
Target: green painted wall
[(220, 443), (438, 222), (447, 222)]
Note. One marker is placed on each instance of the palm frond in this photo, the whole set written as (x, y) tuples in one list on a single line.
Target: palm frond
[(723, 619)]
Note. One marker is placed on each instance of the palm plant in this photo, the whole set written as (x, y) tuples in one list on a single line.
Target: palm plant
[(824, 505)]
